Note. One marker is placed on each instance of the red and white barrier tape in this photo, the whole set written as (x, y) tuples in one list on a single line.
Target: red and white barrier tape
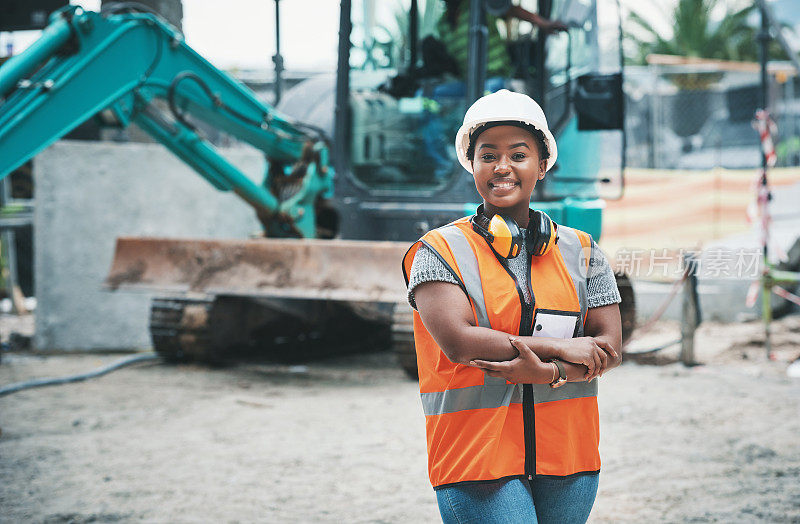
[(752, 294), (791, 297), (766, 128)]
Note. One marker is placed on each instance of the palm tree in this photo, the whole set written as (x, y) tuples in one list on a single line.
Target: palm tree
[(430, 13), (695, 34)]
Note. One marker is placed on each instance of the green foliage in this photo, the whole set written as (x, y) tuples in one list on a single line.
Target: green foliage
[(430, 11), (10, 210), (786, 149), (695, 34)]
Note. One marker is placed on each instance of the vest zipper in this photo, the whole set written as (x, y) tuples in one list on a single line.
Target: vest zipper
[(529, 420), (525, 330), (529, 423)]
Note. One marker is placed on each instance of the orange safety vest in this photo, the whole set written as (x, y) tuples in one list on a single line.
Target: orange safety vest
[(482, 428)]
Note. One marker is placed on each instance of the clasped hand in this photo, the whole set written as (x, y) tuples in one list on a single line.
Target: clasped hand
[(528, 368)]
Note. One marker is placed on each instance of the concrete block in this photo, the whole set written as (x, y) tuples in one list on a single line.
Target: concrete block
[(88, 194)]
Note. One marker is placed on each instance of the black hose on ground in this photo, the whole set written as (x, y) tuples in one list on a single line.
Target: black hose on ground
[(39, 382)]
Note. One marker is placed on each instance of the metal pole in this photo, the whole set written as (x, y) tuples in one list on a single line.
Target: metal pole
[(277, 59), (655, 117), (763, 40), (766, 286), (776, 26), (478, 41), (624, 152), (341, 139), (413, 35)]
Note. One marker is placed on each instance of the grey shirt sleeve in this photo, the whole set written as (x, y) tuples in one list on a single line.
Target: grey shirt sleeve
[(426, 267), (600, 280)]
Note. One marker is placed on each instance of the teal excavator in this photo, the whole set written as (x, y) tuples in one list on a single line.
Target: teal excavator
[(133, 67), (328, 266)]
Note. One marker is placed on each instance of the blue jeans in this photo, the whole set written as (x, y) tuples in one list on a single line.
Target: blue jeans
[(546, 500)]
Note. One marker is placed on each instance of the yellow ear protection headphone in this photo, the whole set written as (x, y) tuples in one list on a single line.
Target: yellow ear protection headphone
[(505, 238)]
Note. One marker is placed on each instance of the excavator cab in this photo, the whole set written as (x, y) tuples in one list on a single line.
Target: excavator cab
[(406, 100), (407, 73)]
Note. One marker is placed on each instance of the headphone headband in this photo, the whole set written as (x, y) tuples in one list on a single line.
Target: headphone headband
[(480, 223), (505, 237)]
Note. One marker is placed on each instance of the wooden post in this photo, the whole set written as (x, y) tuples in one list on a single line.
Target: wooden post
[(766, 307), (691, 310)]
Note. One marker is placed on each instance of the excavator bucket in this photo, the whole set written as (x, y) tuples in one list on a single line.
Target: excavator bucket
[(223, 299), (351, 271)]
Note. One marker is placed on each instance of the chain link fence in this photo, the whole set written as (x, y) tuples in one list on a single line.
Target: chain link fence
[(693, 158), (698, 116)]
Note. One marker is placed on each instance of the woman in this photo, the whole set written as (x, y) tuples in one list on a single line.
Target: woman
[(515, 318)]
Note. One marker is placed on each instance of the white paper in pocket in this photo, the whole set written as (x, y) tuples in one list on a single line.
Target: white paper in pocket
[(555, 324)]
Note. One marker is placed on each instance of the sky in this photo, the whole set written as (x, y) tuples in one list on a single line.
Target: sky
[(246, 30), (242, 34)]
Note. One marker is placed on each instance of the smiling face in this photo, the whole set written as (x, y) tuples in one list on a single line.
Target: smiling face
[(506, 167)]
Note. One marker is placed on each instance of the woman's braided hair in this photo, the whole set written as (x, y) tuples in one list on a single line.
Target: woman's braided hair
[(538, 137)]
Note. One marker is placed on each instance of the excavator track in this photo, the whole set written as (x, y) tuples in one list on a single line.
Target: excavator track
[(180, 329), (213, 329), (222, 328), (403, 339)]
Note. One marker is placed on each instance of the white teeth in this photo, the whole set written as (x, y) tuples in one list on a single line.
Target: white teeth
[(505, 185)]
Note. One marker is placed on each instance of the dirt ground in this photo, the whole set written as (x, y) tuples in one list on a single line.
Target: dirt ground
[(342, 440)]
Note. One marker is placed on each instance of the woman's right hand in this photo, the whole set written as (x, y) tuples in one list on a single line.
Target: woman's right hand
[(589, 351)]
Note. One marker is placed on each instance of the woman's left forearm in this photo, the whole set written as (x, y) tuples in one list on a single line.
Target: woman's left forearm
[(604, 324)]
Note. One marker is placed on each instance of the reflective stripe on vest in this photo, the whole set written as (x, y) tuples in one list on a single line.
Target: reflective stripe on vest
[(468, 264), (577, 261), (495, 391)]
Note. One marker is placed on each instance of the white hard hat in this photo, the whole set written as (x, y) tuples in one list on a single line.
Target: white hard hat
[(504, 105)]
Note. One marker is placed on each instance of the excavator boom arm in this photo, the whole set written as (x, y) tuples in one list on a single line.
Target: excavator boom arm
[(119, 64)]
